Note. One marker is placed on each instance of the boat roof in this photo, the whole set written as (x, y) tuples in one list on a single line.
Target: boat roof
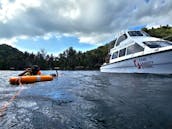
[(139, 36)]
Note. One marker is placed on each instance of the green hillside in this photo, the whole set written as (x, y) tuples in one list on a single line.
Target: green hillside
[(12, 58), (164, 32)]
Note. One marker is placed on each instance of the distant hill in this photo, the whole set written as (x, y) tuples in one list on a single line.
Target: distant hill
[(10, 57), (164, 32)]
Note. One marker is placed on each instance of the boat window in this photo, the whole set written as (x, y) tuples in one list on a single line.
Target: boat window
[(121, 38), (111, 44), (114, 55), (146, 34), (134, 49), (122, 52), (157, 44), (135, 33)]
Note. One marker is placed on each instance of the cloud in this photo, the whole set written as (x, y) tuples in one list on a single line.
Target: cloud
[(92, 21), (11, 41)]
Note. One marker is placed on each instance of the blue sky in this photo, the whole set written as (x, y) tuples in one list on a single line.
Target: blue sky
[(53, 45), (57, 25)]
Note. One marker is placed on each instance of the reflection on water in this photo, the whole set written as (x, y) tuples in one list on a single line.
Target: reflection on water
[(89, 100)]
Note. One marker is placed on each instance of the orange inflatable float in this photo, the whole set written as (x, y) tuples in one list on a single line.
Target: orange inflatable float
[(30, 79)]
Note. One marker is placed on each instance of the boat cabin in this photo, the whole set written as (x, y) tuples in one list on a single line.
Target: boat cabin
[(129, 43)]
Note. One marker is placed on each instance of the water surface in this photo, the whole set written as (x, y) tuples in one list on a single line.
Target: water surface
[(88, 100)]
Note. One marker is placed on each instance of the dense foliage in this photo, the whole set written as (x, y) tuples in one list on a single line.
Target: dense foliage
[(164, 32), (70, 59), (11, 58)]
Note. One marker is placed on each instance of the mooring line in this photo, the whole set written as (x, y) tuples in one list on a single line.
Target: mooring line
[(5, 106)]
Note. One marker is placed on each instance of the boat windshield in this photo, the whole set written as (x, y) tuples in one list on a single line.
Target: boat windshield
[(135, 33), (157, 44)]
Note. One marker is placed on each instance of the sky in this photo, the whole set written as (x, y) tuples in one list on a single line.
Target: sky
[(55, 25)]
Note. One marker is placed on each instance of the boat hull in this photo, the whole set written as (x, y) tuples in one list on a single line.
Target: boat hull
[(155, 63)]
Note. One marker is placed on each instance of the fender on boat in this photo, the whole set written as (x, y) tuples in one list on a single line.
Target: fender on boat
[(30, 79)]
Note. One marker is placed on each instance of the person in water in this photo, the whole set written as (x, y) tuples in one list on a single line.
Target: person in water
[(34, 70)]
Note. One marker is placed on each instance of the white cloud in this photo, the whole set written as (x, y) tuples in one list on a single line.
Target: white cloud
[(47, 36), (95, 38), (11, 41), (9, 10), (92, 21)]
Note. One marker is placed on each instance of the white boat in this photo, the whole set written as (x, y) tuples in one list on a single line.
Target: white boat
[(137, 52)]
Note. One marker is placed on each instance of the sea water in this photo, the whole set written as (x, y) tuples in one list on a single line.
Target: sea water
[(87, 100)]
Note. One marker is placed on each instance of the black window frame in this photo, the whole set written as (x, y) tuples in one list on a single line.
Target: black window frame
[(135, 33), (157, 44), (121, 38), (115, 55), (122, 52), (134, 49)]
